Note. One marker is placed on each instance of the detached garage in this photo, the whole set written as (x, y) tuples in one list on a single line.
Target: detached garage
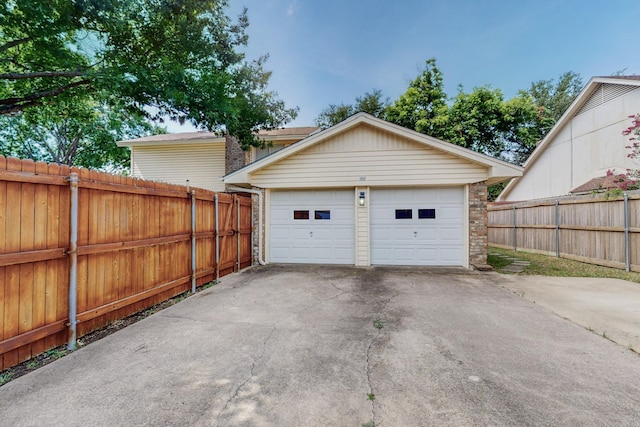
[(368, 192)]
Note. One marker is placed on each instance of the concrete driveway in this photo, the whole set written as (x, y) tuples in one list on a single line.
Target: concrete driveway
[(339, 346)]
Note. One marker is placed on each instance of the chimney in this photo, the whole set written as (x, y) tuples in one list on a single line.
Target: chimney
[(234, 155)]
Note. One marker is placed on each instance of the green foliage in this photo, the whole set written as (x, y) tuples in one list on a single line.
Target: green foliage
[(180, 57), (79, 132), (5, 377), (423, 106), (493, 191), (553, 98), (371, 102), (481, 120)]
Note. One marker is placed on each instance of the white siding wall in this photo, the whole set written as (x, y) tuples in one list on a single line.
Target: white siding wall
[(363, 257), (201, 164), (371, 156), (589, 145)]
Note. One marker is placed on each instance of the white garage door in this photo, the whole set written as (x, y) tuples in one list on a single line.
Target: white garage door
[(312, 227), (417, 226)]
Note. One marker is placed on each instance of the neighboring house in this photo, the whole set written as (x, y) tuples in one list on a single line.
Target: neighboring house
[(368, 192), (587, 142), (203, 158)]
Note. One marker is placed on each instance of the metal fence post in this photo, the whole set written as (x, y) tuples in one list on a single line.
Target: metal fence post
[(193, 241), (515, 235), (557, 229), (215, 198), (238, 231), (73, 263), (627, 246)]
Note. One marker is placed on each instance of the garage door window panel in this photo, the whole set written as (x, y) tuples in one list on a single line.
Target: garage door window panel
[(300, 214), (322, 215), (426, 213), (404, 214)]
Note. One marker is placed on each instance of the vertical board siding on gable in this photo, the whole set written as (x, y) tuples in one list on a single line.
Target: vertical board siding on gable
[(202, 164), (365, 154)]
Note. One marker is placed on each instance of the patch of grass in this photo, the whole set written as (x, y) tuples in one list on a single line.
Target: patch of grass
[(497, 262), (378, 324), (55, 353), (545, 265), (369, 424), (5, 377), (371, 396), (206, 286)]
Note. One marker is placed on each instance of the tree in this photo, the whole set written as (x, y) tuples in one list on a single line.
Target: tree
[(423, 106), (553, 98), (371, 102), (483, 121), (179, 56), (79, 133)]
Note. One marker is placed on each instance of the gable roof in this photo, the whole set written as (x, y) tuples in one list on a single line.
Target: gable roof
[(498, 170), (576, 106), (603, 183), (173, 138), (202, 137)]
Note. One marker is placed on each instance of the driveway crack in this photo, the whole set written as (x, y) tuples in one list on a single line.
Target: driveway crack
[(379, 324), (371, 395), (254, 362)]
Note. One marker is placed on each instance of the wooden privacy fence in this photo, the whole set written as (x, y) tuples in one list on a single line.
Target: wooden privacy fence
[(590, 229), (80, 249)]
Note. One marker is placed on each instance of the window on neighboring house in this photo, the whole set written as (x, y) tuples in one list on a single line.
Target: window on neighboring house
[(263, 152)]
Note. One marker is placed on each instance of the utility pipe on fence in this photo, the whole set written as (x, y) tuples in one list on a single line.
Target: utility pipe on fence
[(627, 245), (193, 241), (73, 263), (557, 229), (215, 198)]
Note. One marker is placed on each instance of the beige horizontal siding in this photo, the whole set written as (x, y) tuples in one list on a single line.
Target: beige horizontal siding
[(368, 156), (201, 164)]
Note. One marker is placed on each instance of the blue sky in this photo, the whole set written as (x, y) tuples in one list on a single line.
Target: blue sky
[(326, 52)]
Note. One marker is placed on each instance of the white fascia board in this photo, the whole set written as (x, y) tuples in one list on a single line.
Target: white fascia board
[(154, 143)]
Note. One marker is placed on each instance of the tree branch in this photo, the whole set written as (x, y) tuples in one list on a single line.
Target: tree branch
[(12, 105), (20, 76), (13, 43)]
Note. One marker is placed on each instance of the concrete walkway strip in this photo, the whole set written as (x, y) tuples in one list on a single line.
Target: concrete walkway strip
[(608, 307)]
